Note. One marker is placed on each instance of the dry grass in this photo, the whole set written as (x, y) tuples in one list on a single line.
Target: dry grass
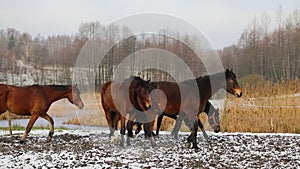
[(264, 107)]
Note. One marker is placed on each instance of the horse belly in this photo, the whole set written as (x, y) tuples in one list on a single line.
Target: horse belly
[(19, 105)]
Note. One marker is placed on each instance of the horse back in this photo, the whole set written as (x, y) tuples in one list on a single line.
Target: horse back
[(172, 93), (25, 100)]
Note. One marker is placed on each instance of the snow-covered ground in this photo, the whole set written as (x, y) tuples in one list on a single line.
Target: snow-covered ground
[(92, 149)]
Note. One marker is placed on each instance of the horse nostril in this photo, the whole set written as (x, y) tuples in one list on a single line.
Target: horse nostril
[(81, 106), (238, 93), (148, 106)]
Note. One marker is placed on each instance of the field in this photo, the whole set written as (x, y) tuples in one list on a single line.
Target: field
[(268, 112), (264, 107), (93, 149)]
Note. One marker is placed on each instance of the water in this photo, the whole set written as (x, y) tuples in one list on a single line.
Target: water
[(58, 123)]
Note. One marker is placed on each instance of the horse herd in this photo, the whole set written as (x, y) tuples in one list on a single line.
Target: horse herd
[(134, 99)]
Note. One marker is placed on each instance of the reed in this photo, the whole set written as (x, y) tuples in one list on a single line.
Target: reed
[(264, 107)]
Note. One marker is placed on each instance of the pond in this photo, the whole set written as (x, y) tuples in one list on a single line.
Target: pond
[(58, 123)]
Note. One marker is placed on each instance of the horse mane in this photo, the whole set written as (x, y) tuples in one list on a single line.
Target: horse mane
[(60, 87)]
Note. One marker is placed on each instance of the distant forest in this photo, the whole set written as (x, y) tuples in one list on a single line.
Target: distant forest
[(265, 50), (273, 54)]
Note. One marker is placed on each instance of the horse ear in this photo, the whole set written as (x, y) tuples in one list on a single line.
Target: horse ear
[(148, 81)]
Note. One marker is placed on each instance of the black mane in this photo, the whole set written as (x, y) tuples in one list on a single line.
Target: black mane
[(60, 87)]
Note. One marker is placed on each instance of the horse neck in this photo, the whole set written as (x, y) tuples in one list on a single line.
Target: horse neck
[(206, 89), (53, 94)]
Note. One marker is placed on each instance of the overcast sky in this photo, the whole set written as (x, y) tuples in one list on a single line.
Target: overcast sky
[(221, 21)]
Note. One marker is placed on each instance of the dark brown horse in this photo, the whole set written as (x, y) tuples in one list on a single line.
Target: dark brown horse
[(183, 98), (128, 97), (35, 100)]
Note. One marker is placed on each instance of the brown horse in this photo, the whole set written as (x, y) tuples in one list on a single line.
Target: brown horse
[(35, 100), (188, 104), (116, 104)]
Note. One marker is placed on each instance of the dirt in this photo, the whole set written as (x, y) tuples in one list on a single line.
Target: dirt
[(77, 149)]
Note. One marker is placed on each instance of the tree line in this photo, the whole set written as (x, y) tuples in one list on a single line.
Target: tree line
[(266, 50), (272, 53)]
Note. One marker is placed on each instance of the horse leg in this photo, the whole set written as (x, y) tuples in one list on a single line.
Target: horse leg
[(193, 136), (122, 131), (130, 124), (178, 125), (138, 123), (202, 129), (114, 124), (159, 120), (32, 120), (129, 128), (51, 122), (149, 133), (129, 131), (111, 120), (139, 128)]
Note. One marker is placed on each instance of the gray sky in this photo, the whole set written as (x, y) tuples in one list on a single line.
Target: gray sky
[(222, 21)]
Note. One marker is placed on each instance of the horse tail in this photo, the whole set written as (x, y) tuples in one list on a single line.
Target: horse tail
[(3, 98)]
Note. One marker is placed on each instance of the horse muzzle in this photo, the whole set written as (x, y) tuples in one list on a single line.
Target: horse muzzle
[(80, 105), (238, 92), (148, 105)]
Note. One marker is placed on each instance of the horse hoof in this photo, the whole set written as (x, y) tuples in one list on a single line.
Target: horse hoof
[(195, 147), (188, 145), (128, 143), (137, 132), (153, 145), (49, 139)]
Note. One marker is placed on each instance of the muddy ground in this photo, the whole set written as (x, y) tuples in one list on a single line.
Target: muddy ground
[(93, 149)]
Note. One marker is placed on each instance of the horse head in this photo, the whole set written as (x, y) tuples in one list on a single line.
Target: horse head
[(232, 85), (74, 96), (142, 93)]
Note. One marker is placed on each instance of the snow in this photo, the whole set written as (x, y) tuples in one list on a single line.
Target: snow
[(93, 149)]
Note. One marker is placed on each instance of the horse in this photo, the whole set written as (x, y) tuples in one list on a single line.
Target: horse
[(114, 95), (206, 90), (211, 112), (35, 101), (189, 105), (213, 120), (3, 92)]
